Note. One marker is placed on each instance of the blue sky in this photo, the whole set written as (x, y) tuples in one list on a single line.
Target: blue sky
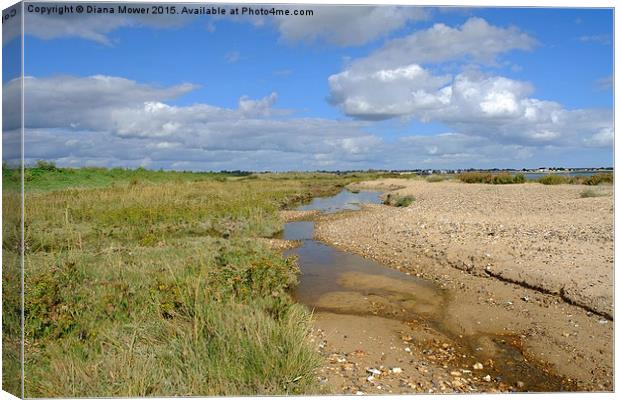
[(349, 88)]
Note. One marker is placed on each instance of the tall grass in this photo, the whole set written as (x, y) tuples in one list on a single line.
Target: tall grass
[(552, 179), (593, 180), (158, 287), (11, 288), (496, 179)]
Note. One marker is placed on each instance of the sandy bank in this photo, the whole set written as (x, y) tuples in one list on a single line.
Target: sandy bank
[(530, 260), (546, 237)]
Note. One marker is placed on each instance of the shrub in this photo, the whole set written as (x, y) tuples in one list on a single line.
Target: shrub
[(503, 178), (475, 177), (399, 201), (519, 178), (599, 178), (553, 180), (46, 165), (404, 201)]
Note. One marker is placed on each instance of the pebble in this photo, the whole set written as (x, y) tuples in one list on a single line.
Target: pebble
[(396, 370), (478, 366), (487, 378)]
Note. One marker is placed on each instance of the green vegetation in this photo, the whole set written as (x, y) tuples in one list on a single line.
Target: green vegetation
[(597, 179), (503, 178), (11, 288), (552, 179), (147, 283), (45, 176), (436, 178), (398, 201), (593, 180)]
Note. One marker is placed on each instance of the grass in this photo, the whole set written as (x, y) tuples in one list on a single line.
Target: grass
[(435, 178), (489, 178), (398, 201), (552, 179), (46, 176), (597, 179), (11, 288), (148, 283), (593, 180)]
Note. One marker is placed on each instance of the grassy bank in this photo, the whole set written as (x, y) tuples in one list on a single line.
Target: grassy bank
[(152, 283)]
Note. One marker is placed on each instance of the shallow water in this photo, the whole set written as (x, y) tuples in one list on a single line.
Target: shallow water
[(339, 282), (345, 200)]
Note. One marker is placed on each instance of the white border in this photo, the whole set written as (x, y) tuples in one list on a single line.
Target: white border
[(457, 3)]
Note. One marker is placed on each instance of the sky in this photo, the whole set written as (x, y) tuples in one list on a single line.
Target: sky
[(350, 87)]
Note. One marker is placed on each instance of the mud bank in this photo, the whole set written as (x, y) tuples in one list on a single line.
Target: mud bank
[(513, 259)]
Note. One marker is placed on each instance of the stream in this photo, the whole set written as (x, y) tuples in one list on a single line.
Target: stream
[(340, 282)]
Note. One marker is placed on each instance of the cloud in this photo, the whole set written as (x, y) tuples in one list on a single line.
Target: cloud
[(347, 25), (398, 81), (605, 83), (602, 138), (598, 39), (232, 57), (262, 107), (476, 40), (112, 121), (471, 103), (81, 103), (96, 27), (338, 25), (386, 93)]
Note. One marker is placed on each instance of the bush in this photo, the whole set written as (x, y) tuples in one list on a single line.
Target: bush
[(399, 201), (553, 180), (519, 178), (475, 177), (599, 178), (46, 165), (503, 178)]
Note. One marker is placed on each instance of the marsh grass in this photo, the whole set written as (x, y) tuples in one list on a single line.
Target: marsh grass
[(11, 288), (489, 178), (398, 201), (153, 284), (593, 180)]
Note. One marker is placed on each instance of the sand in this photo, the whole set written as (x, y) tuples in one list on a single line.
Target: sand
[(531, 261)]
